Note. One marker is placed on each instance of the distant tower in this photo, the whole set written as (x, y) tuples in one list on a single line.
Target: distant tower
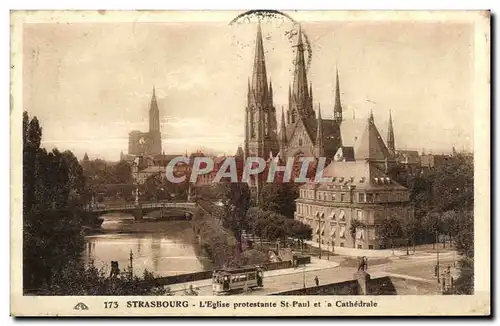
[(337, 110), (154, 146), (391, 145)]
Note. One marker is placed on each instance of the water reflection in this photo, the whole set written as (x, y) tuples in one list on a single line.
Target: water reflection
[(164, 248)]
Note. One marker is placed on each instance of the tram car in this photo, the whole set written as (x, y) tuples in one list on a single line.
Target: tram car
[(227, 280)]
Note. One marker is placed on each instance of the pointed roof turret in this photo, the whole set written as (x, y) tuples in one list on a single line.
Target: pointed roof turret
[(370, 146), (283, 126), (259, 76), (390, 135), (337, 110)]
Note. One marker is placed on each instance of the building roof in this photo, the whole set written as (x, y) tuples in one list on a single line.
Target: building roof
[(331, 133), (345, 154), (408, 157), (351, 131), (370, 145), (361, 174)]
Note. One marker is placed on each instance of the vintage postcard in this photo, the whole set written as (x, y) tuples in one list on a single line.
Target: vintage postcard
[(254, 163)]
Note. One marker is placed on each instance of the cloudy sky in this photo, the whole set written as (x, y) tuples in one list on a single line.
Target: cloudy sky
[(91, 84)]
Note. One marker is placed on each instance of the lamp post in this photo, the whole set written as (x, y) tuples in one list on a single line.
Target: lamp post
[(437, 253), (304, 276), (319, 233)]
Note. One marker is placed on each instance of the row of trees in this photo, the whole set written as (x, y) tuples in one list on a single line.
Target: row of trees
[(237, 215), (272, 226), (55, 194)]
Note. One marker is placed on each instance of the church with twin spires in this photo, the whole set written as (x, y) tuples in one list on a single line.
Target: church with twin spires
[(359, 162), (304, 131)]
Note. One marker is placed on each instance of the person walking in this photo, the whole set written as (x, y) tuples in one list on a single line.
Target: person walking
[(316, 280)]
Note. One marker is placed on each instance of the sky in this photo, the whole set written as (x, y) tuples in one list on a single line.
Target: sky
[(90, 84)]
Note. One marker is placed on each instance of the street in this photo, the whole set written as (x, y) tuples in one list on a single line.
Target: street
[(418, 268)]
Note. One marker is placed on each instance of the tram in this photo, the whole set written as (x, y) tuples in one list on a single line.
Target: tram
[(228, 280)]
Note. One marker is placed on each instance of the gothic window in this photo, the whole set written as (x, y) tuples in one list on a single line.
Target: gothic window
[(300, 141)]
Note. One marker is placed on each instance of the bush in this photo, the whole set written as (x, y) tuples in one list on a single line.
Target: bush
[(78, 279)]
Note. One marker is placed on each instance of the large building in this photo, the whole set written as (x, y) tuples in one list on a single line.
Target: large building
[(147, 143), (360, 190), (302, 132)]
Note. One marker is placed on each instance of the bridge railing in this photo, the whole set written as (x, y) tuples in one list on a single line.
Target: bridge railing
[(161, 204)]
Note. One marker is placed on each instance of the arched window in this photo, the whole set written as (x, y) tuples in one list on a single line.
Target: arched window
[(300, 141)]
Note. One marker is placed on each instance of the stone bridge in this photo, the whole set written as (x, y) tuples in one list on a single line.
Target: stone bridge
[(138, 210)]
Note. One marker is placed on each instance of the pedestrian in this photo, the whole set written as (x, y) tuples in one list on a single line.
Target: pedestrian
[(316, 280)]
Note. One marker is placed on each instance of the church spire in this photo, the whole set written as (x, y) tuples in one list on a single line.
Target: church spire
[(337, 111), (319, 135), (390, 135), (259, 76), (300, 89), (270, 92), (154, 113), (283, 139), (311, 93), (371, 119)]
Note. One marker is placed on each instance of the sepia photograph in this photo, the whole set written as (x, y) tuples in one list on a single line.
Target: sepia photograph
[(307, 160)]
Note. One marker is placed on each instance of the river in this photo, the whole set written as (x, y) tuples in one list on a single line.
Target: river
[(163, 247)]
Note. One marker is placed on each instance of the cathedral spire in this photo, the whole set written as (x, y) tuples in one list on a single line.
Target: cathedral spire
[(300, 89), (259, 76), (270, 92), (390, 135), (311, 93), (283, 139), (319, 135), (154, 114), (371, 119), (337, 111)]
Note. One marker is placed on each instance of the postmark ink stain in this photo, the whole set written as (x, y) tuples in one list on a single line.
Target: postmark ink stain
[(267, 16)]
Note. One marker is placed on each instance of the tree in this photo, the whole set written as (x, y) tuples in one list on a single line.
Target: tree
[(453, 184), (389, 230), (300, 231), (236, 199), (54, 196), (465, 248), (432, 224), (450, 223), (279, 198), (411, 230), (123, 172)]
